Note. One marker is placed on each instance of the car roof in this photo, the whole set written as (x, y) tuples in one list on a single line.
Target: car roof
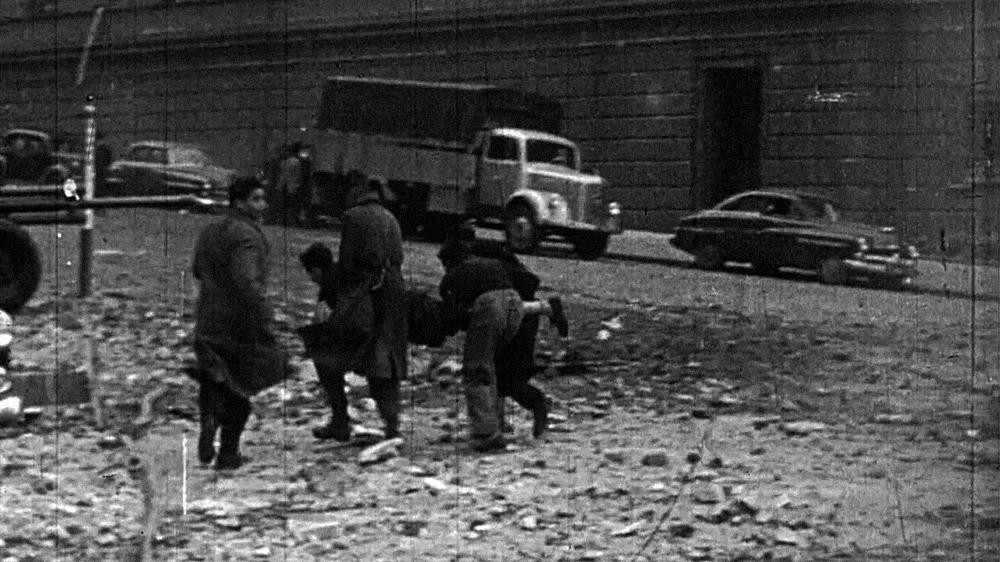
[(532, 135), (164, 144), (786, 192)]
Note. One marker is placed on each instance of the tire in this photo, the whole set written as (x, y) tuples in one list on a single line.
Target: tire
[(591, 246), (708, 256), (764, 267), (20, 267), (521, 228), (832, 272)]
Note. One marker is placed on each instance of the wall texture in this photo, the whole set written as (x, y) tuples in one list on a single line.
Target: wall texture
[(884, 105)]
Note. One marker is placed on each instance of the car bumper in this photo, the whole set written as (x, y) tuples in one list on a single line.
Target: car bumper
[(609, 225), (882, 266)]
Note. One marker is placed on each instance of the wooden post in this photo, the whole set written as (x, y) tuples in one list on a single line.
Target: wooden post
[(87, 230)]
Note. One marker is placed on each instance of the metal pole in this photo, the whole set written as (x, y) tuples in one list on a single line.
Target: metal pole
[(87, 230)]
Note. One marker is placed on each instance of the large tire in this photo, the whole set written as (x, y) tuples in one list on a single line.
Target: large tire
[(708, 256), (521, 228), (20, 267), (591, 245)]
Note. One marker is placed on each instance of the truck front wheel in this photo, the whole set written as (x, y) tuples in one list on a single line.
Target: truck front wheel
[(521, 228), (591, 245), (20, 267)]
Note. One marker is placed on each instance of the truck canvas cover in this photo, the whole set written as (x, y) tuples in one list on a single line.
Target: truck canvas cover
[(430, 110)]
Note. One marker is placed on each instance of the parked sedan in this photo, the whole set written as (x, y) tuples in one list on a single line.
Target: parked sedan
[(36, 156), (770, 229), (167, 168)]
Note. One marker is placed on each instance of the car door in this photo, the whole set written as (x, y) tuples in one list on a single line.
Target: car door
[(148, 170), (741, 236), (499, 172)]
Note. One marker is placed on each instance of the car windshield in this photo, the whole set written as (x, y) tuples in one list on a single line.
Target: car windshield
[(819, 209), (189, 157), (549, 152)]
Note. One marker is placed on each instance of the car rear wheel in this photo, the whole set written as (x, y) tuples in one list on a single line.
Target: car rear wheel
[(708, 256), (591, 246), (765, 267), (832, 271), (20, 267), (521, 229)]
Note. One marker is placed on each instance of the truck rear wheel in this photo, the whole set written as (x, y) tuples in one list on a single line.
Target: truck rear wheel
[(521, 228), (591, 245), (20, 267)]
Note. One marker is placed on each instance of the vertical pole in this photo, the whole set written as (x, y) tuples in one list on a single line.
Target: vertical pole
[(87, 230)]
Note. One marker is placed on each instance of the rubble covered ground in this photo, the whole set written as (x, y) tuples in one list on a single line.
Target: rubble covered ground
[(696, 416)]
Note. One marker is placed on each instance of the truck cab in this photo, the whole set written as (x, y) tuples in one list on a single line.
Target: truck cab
[(531, 182)]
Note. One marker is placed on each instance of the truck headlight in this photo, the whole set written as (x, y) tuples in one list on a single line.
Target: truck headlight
[(6, 335), (614, 209), (557, 207)]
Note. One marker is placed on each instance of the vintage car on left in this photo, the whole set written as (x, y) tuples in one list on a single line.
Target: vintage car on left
[(772, 229), (29, 155), (167, 168)]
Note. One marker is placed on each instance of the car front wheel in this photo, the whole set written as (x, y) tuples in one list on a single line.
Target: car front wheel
[(832, 272), (521, 229), (708, 256)]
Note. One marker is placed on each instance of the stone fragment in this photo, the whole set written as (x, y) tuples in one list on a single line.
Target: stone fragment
[(708, 493), (802, 428), (380, 451), (681, 530), (616, 456), (111, 441), (788, 537), (902, 419), (627, 530), (764, 421), (655, 458), (228, 522)]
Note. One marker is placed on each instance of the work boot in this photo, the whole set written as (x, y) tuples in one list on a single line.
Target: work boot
[(504, 425), (489, 443), (209, 424), (206, 440), (558, 317), (338, 431), (229, 450), (541, 422)]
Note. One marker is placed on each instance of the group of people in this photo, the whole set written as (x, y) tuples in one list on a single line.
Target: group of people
[(485, 292)]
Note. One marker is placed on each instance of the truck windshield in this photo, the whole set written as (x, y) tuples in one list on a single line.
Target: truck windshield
[(549, 152)]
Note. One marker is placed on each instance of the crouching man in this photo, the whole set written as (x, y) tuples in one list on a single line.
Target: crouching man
[(478, 292)]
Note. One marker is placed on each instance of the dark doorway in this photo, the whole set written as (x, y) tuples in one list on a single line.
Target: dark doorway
[(728, 161)]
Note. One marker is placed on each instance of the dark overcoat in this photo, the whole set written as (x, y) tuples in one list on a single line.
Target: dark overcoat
[(233, 342), (371, 242)]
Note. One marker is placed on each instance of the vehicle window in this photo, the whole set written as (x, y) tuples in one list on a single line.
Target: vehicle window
[(549, 152), (748, 204), (777, 206), (503, 148), (189, 157), (818, 209)]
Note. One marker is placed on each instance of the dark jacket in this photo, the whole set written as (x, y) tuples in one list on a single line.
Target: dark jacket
[(465, 282), (233, 341), (371, 252)]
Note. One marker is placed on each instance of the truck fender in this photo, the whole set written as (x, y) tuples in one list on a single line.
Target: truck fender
[(532, 199)]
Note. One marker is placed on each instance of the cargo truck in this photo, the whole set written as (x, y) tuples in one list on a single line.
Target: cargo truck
[(448, 152)]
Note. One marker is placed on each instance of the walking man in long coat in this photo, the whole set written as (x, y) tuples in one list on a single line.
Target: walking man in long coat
[(371, 252), (236, 351)]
